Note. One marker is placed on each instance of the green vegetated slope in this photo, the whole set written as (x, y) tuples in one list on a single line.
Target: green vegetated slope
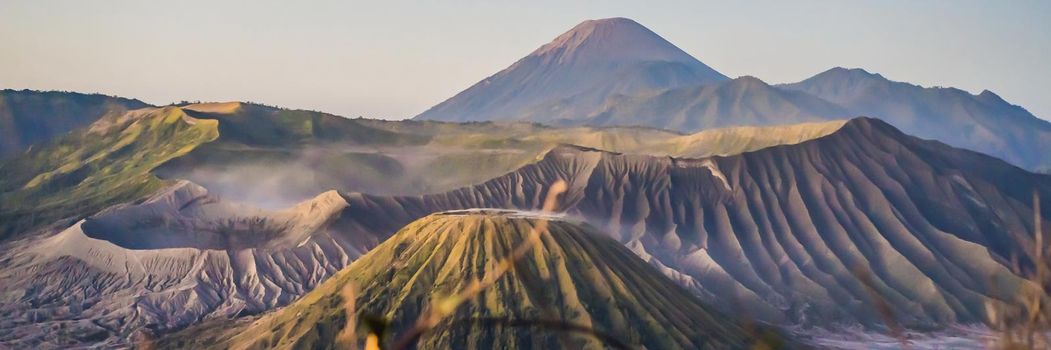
[(258, 125), (574, 275), (273, 154), (35, 117), (95, 167)]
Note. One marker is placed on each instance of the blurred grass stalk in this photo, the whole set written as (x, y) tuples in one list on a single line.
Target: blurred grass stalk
[(1025, 324), (442, 308)]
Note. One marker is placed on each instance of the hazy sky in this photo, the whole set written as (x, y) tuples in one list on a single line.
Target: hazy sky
[(395, 59)]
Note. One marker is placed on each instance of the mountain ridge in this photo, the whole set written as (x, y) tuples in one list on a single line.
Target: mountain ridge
[(743, 101), (984, 122), (30, 117)]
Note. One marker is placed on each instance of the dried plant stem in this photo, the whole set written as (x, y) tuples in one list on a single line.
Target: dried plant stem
[(1025, 325), (372, 342), (347, 339)]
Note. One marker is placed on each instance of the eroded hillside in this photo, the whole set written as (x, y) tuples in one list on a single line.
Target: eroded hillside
[(784, 232)]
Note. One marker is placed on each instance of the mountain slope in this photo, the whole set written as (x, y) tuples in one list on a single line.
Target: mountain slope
[(983, 122), (593, 61), (573, 275), (34, 117), (781, 231), (739, 102)]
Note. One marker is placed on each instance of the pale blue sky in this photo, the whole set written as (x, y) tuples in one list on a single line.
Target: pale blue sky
[(395, 59)]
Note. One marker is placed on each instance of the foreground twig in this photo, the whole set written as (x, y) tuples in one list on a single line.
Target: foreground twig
[(882, 307), (1025, 324), (347, 339)]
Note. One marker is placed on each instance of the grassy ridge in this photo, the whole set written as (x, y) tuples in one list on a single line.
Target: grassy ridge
[(418, 157), (94, 168), (35, 117)]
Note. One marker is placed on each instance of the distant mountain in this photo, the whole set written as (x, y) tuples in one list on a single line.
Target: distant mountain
[(576, 73), (742, 101), (574, 276), (32, 117), (983, 122)]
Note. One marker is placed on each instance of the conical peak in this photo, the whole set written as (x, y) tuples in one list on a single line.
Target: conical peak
[(591, 26), (747, 81), (848, 74), (486, 225), (577, 71), (612, 39), (503, 214)]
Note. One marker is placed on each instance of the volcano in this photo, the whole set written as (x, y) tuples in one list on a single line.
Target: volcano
[(575, 73)]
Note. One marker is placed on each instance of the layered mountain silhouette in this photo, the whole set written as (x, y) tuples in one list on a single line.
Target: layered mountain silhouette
[(559, 93), (741, 101), (35, 117), (983, 122), (575, 73), (576, 288)]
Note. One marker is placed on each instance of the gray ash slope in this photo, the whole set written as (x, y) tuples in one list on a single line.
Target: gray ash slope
[(171, 261), (782, 232)]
